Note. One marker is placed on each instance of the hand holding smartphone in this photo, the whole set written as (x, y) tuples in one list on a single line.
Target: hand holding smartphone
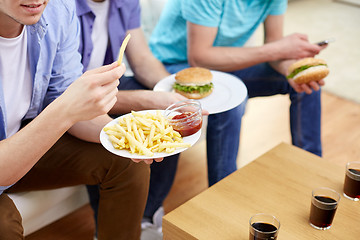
[(326, 41)]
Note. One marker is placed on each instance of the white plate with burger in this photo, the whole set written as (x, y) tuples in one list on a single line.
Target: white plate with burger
[(217, 91)]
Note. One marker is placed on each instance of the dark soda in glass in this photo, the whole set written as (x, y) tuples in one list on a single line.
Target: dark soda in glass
[(322, 216), (265, 231), (352, 184)]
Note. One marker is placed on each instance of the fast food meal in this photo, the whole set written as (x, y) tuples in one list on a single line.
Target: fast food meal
[(194, 82), (307, 70), (145, 134)]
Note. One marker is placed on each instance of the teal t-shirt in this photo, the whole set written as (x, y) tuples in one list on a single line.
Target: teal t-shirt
[(236, 21)]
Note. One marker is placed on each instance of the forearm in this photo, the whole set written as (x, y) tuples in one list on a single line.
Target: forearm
[(232, 58), (138, 100), (90, 130), (149, 71), (128, 100), (20, 152), (282, 66)]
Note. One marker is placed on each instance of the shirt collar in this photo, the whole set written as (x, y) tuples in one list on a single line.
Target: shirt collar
[(83, 8), (40, 27)]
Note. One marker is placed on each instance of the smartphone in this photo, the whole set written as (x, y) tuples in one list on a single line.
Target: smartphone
[(326, 41)]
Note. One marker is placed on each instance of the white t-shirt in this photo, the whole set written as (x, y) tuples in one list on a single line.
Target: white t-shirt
[(99, 35), (16, 80)]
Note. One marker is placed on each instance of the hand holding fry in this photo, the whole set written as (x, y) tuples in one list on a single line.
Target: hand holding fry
[(93, 94)]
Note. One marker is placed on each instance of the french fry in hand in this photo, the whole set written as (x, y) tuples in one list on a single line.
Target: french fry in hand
[(122, 48)]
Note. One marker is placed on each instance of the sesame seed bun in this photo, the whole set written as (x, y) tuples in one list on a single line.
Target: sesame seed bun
[(194, 75), (317, 70)]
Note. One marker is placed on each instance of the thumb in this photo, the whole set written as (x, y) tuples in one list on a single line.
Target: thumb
[(105, 68)]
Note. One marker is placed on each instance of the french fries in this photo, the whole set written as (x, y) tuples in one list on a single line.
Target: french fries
[(145, 134), (122, 48)]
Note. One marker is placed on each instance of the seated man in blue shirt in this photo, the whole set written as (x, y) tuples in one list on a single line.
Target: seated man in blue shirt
[(51, 116), (212, 34)]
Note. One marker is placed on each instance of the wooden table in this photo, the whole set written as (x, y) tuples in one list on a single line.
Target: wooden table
[(280, 183)]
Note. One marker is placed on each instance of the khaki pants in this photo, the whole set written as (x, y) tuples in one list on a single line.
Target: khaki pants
[(123, 187)]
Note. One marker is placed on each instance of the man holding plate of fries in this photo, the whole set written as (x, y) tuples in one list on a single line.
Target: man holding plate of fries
[(105, 25), (51, 115)]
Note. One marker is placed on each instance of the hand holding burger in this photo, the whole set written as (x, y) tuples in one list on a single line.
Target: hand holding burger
[(194, 82), (307, 70)]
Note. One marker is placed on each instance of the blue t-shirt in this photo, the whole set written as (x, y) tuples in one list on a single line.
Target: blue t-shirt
[(236, 22), (53, 58)]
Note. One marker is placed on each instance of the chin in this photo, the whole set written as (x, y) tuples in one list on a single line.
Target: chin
[(32, 20)]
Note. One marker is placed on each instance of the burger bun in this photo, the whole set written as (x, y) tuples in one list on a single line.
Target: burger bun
[(316, 72), (194, 76)]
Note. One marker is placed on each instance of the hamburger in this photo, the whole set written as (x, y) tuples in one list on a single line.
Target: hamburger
[(307, 70), (194, 82)]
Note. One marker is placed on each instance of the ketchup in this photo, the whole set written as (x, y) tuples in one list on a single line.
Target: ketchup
[(189, 125)]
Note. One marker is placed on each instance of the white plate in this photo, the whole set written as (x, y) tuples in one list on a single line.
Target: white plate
[(229, 92), (104, 139)]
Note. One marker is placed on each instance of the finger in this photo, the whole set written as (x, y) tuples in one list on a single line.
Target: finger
[(158, 159), (314, 85), (324, 46), (321, 82), (303, 36), (111, 75), (205, 112), (102, 69), (306, 88), (148, 161), (105, 77), (109, 105), (298, 89), (111, 86), (295, 86), (107, 92), (136, 160)]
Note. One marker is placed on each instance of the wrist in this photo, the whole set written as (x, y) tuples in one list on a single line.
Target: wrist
[(271, 51)]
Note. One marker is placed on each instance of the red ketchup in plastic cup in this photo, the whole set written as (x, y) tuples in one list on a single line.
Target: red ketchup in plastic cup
[(185, 117)]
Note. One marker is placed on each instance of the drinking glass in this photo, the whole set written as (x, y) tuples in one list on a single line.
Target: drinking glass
[(324, 202), (263, 226), (352, 181)]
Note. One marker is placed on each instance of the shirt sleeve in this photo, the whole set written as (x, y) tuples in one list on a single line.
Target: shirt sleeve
[(66, 66), (134, 21), (3, 188), (202, 12), (278, 7)]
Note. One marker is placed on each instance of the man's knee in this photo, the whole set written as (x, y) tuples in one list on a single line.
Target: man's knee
[(138, 175), (10, 220), (125, 172)]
